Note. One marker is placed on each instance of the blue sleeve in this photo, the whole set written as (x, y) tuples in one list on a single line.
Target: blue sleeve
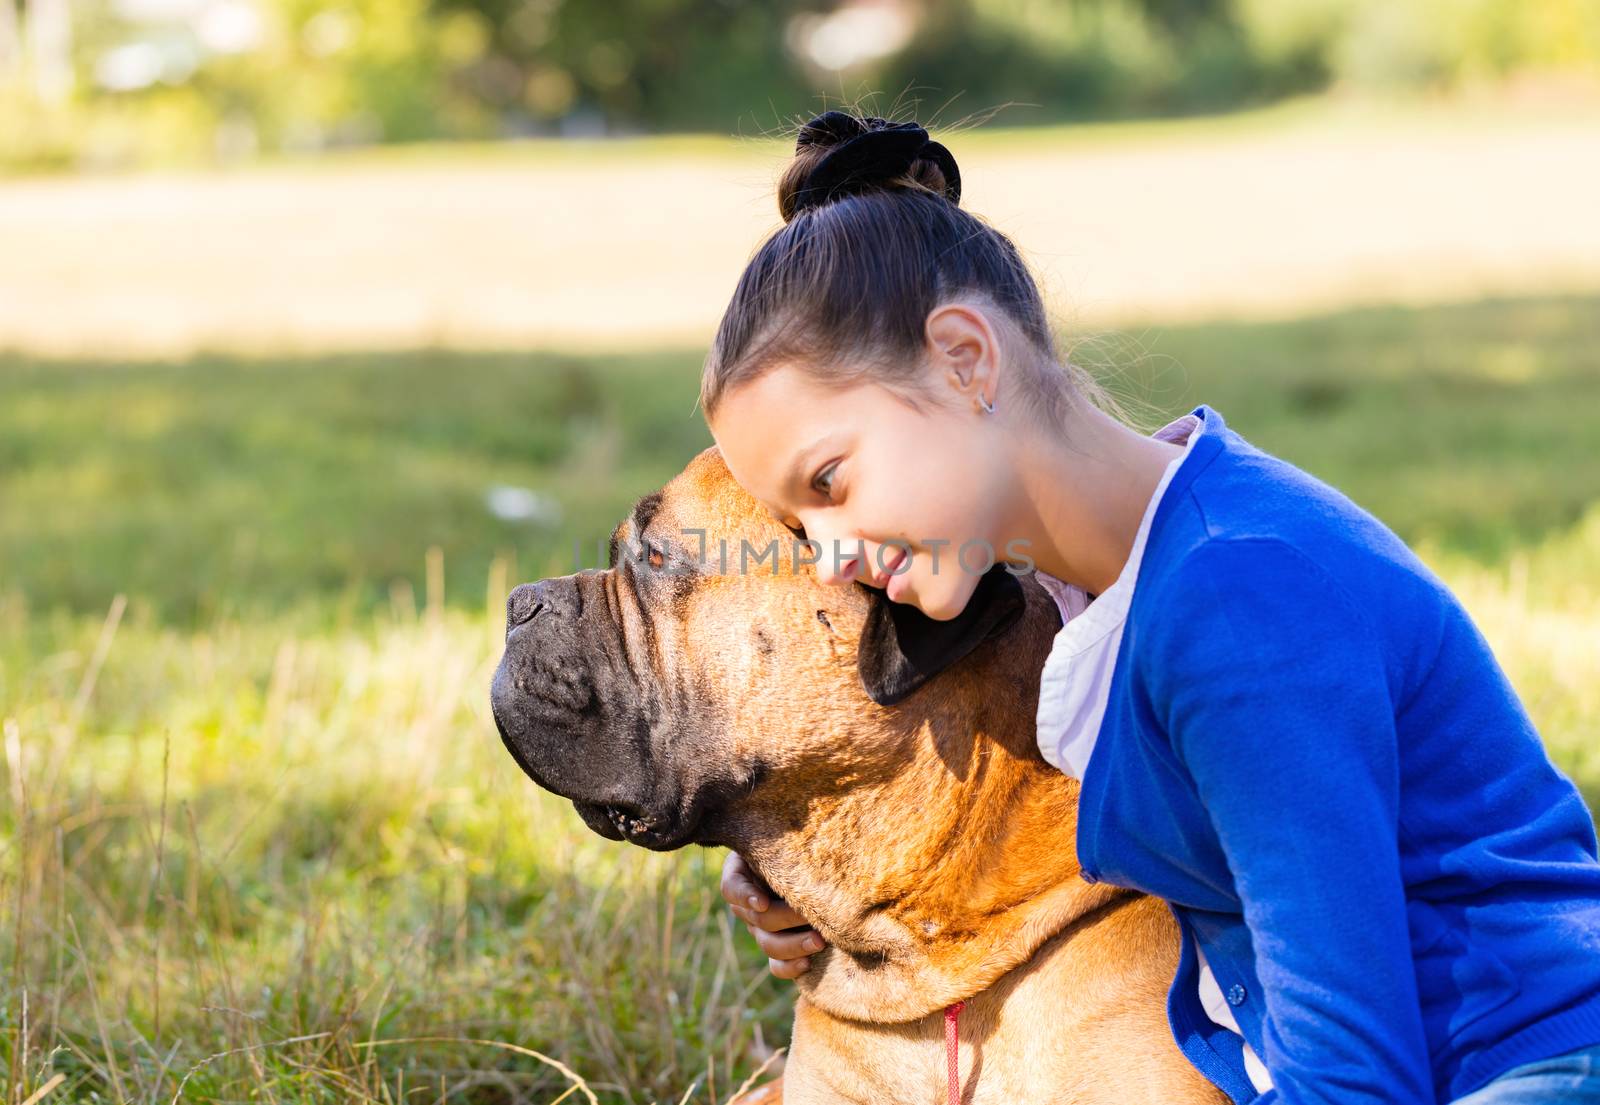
[(1272, 687)]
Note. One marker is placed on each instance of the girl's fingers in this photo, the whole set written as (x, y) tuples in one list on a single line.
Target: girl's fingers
[(788, 945), (777, 917), (788, 968), (741, 888), (784, 935)]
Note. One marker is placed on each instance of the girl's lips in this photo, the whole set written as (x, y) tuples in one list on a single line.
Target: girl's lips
[(890, 586)]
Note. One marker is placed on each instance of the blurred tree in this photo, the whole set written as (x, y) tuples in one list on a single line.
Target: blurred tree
[(664, 64), (10, 49), (1092, 58), (50, 50)]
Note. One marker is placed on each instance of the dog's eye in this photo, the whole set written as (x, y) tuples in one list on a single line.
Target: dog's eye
[(654, 557)]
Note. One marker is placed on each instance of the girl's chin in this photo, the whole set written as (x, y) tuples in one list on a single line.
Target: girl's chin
[(940, 607)]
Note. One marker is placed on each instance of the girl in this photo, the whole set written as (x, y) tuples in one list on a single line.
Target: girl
[(1283, 722)]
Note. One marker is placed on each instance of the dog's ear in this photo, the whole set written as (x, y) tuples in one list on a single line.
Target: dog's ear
[(901, 648)]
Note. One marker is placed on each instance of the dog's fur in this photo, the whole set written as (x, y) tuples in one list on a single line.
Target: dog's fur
[(927, 840)]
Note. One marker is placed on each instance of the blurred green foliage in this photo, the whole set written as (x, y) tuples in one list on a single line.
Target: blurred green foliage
[(1097, 58), (307, 74)]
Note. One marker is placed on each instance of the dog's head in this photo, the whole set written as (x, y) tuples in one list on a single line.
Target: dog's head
[(658, 693)]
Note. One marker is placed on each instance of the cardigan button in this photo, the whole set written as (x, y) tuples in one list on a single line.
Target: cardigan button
[(1236, 994)]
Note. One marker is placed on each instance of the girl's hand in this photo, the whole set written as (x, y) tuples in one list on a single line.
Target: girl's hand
[(781, 932)]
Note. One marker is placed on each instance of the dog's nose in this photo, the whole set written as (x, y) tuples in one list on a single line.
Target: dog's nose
[(523, 603), (561, 596)]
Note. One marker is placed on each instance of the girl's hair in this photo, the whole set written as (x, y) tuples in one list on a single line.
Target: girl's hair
[(843, 289)]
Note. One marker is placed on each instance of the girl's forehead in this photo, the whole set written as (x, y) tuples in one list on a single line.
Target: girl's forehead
[(775, 407)]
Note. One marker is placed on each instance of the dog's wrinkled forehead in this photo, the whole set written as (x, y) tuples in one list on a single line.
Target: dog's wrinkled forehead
[(703, 518)]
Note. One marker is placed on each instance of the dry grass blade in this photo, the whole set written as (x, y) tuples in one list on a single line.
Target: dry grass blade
[(566, 1072), (757, 1073), (102, 649), (176, 1094), (39, 1094)]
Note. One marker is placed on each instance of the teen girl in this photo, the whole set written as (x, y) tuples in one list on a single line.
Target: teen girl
[(1283, 722)]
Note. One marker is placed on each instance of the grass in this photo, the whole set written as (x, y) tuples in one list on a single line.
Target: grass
[(260, 839), (221, 486), (254, 857)]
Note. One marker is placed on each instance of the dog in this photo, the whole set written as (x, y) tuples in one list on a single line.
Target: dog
[(879, 770)]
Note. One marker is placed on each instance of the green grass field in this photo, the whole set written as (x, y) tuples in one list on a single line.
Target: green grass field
[(261, 841)]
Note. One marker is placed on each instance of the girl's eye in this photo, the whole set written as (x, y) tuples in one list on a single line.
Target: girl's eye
[(824, 479)]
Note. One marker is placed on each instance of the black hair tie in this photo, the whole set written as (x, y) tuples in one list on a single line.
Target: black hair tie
[(871, 152)]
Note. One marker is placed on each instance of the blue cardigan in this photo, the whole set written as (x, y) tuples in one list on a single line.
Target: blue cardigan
[(1311, 752)]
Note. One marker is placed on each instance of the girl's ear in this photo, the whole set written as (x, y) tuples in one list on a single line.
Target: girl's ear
[(964, 346), (901, 648)]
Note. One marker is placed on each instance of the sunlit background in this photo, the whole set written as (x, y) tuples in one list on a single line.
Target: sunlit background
[(323, 324)]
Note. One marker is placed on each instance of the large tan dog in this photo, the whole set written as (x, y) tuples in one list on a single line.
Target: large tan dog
[(878, 768)]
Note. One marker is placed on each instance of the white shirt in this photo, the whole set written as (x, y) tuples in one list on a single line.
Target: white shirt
[(1076, 685)]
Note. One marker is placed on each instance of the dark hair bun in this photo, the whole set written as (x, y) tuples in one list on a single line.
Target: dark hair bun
[(838, 154)]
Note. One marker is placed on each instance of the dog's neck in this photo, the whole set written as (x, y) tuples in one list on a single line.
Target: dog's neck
[(932, 871)]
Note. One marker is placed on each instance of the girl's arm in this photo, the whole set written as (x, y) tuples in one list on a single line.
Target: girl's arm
[(1272, 687)]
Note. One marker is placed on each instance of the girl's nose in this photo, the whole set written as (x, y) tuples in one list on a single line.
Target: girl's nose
[(839, 560)]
